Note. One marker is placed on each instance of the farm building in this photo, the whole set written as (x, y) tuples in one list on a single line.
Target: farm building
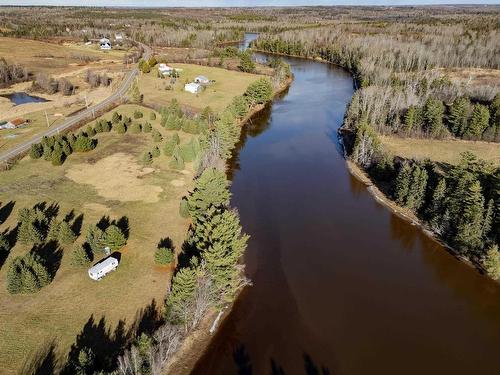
[(165, 69), (105, 44), (193, 87), (13, 124), (102, 268), (202, 80)]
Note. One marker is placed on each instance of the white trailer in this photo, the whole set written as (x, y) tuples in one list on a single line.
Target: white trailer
[(101, 269)]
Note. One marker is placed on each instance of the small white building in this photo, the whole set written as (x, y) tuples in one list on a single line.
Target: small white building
[(101, 269), (165, 69), (105, 44), (118, 37), (193, 88), (202, 80)]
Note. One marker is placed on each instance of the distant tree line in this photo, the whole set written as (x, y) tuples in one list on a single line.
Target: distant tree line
[(12, 73), (46, 84)]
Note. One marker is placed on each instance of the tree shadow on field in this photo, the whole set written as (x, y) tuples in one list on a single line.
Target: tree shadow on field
[(122, 223), (147, 320), (51, 253), (105, 344), (5, 211), (11, 237), (50, 211), (76, 227), (45, 361)]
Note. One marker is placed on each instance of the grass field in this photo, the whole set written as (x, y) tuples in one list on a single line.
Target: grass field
[(218, 95), (108, 181), (447, 151), (52, 58)]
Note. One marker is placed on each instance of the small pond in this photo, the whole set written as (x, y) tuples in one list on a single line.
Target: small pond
[(22, 98)]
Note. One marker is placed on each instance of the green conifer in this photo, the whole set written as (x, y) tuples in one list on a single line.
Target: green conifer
[(402, 185)]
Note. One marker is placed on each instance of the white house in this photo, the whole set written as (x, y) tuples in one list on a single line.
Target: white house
[(202, 80), (101, 269), (105, 44), (193, 87)]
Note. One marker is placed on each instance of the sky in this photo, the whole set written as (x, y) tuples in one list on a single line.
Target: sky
[(200, 3)]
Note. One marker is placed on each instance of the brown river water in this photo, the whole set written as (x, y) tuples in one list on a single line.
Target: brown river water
[(340, 284)]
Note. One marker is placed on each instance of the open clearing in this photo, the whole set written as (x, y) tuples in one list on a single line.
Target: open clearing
[(447, 151), (54, 58), (218, 95), (108, 181)]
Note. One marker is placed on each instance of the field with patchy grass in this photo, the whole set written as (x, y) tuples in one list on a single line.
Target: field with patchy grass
[(109, 181), (447, 151), (218, 95), (54, 58)]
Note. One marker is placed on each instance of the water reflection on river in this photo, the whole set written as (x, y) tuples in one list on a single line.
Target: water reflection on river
[(341, 286)]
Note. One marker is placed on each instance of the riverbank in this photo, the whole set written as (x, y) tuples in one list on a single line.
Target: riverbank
[(196, 342), (406, 214)]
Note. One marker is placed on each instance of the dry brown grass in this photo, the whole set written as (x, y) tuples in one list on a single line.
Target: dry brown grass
[(473, 76), (447, 151)]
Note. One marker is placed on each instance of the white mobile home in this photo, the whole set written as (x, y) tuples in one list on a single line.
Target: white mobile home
[(192, 87), (202, 80), (101, 269)]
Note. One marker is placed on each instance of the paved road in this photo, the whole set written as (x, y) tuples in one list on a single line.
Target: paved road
[(87, 114)]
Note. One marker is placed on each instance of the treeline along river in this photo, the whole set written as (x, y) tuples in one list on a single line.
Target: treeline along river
[(340, 284)]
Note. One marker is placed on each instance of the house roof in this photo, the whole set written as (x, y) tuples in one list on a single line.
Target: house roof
[(106, 264), (17, 121)]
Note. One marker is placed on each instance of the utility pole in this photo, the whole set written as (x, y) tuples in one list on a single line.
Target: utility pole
[(47, 118)]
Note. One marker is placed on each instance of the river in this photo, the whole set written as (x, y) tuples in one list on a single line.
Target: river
[(340, 284)]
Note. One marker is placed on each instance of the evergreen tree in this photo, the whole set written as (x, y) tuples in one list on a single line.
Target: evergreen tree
[(57, 158), (176, 138), (459, 116), (147, 158), (135, 94), (417, 188), (95, 239), (53, 231), (115, 238), (413, 119), (260, 91), (135, 128), (239, 106), (469, 228), (479, 121), (116, 118), (246, 63), (366, 144), (4, 243), (90, 131), (28, 233), (164, 255), (437, 207), (98, 126), (147, 128), (177, 162), (155, 152), (138, 114), (156, 135), (106, 126), (184, 208), (120, 128), (491, 262), (80, 256), (66, 235), (152, 116), (36, 151), (433, 117), (187, 152), (211, 189), (488, 219), (228, 133), (169, 147), (181, 297), (402, 185), (84, 144)]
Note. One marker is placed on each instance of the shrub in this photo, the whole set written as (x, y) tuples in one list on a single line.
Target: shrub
[(152, 116), (36, 151), (120, 128), (164, 255), (138, 114), (106, 126), (115, 238), (135, 128), (147, 128), (98, 127), (491, 262), (80, 256)]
